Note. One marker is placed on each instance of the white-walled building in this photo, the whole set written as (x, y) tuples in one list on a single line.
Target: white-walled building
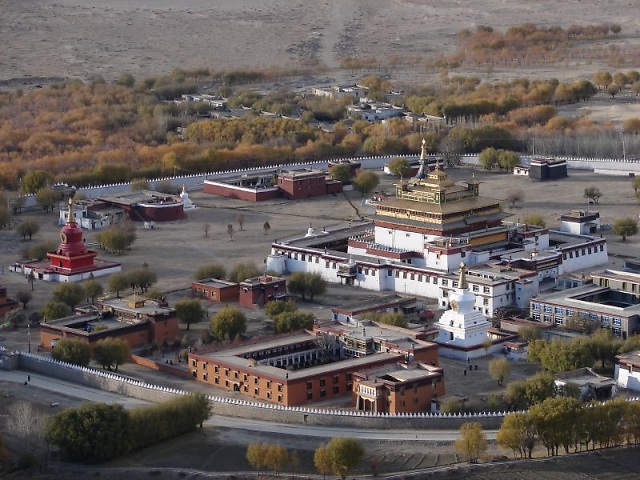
[(422, 234)]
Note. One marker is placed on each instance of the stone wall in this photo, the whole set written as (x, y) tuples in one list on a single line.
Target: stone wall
[(235, 407)]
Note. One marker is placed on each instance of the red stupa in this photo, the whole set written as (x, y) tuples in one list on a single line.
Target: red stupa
[(72, 254), (71, 262)]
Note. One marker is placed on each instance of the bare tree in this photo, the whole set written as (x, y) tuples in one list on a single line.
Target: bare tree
[(230, 231), (514, 197), (205, 228), (266, 227), (240, 220), (27, 423)]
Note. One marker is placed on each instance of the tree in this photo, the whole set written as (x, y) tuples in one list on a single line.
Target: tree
[(613, 89), (365, 182), (604, 346), (489, 158), (110, 352), (592, 193), (276, 307), (515, 196), (138, 184), (228, 323), (205, 228), (535, 220), (291, 321), (72, 351), (472, 442), (636, 184), (141, 278), (257, 455), (508, 160), (499, 369), (92, 433), (92, 289), (126, 80), (518, 433), (341, 172), (47, 198), (242, 271), (560, 356), (27, 423), (70, 293), (212, 270), (307, 284), (625, 227), (189, 311), (322, 461), (55, 310), (24, 297), (266, 227), (230, 231), (240, 221), (118, 282), (277, 457), (118, 237), (28, 228), (35, 180), (341, 453), (15, 317), (557, 422), (400, 167)]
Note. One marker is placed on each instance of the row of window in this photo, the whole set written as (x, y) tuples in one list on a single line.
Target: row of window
[(585, 251), (323, 381), (563, 313)]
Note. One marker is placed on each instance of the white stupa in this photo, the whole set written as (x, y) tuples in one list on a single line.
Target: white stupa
[(463, 330), (187, 204)]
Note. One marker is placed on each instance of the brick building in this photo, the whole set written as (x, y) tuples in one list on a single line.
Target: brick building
[(6, 304), (307, 366), (398, 388), (256, 292), (215, 290), (138, 321)]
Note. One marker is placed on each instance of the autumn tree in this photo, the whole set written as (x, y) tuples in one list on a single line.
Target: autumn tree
[(92, 290), (592, 193), (341, 172), (118, 282), (517, 433), (535, 220), (228, 323), (72, 351), (189, 311), (111, 352), (55, 310), (400, 167), (472, 442), (625, 227), (499, 369), (212, 270), (365, 182), (307, 285), (242, 271), (35, 180), (47, 198), (557, 424), (489, 158), (69, 293), (341, 455)]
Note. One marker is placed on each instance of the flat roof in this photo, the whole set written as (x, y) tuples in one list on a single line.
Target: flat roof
[(215, 282), (373, 303), (400, 373), (573, 298), (149, 307), (140, 196), (110, 324)]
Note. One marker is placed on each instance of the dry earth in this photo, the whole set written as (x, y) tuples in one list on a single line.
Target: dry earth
[(60, 38)]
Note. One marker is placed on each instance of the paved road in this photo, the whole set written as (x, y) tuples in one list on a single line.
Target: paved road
[(329, 432), (56, 385)]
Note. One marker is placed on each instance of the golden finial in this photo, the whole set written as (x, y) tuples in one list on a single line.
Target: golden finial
[(71, 216), (423, 150), (462, 280)]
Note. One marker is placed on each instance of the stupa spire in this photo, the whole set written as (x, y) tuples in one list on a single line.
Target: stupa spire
[(462, 280), (422, 171), (72, 218)]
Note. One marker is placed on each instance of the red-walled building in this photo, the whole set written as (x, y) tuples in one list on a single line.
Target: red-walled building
[(147, 205), (215, 290), (258, 187), (138, 321), (6, 304), (256, 292)]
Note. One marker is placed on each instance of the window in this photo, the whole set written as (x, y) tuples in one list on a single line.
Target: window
[(475, 288), (194, 363), (326, 264), (559, 311), (226, 372), (413, 276), (373, 272), (216, 369), (279, 387), (216, 380), (309, 385), (404, 275), (335, 379), (280, 398), (204, 366), (256, 380), (389, 272), (322, 382), (486, 290), (268, 395), (309, 395), (445, 282), (348, 377), (268, 383), (256, 391), (323, 393)]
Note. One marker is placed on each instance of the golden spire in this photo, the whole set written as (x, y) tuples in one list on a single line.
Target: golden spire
[(71, 216), (423, 150), (462, 280)]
